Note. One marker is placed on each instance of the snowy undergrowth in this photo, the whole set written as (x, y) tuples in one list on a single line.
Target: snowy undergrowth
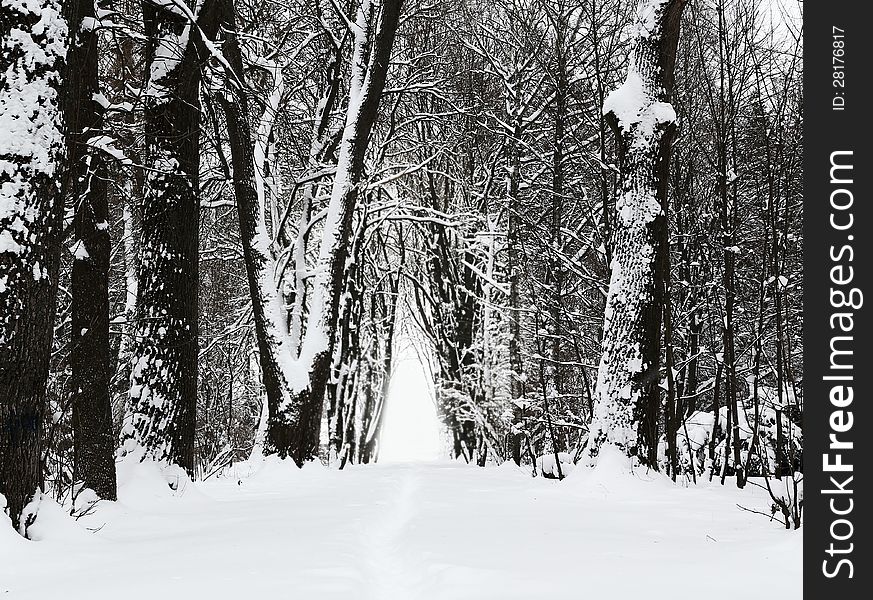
[(406, 531)]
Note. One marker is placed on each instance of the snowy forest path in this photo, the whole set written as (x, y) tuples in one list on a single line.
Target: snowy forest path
[(389, 572), (405, 531)]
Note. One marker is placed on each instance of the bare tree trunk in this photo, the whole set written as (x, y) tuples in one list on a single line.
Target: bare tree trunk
[(163, 393), (93, 439), (626, 405), (31, 207), (319, 150), (688, 383), (371, 432), (121, 376), (695, 324)]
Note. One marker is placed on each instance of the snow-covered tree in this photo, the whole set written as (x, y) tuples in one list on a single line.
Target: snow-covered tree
[(627, 393), (374, 30), (271, 330), (160, 417), (33, 38)]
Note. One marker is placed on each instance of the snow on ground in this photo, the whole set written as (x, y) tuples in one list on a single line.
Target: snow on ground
[(408, 531)]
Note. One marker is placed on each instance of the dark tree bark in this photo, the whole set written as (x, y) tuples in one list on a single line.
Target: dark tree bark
[(163, 393), (467, 316), (688, 397), (31, 207), (713, 437), (93, 439)]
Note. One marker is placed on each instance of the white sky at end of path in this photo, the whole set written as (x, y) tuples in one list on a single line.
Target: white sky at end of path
[(411, 431)]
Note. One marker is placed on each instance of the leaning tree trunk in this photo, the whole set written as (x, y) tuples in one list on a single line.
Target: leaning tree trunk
[(626, 403), (33, 37), (163, 394), (93, 439), (367, 82)]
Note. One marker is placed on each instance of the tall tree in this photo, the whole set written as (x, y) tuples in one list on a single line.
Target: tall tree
[(627, 392), (163, 393), (85, 190), (33, 38)]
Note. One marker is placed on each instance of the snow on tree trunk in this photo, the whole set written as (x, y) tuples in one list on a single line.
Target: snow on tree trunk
[(321, 131), (626, 394), (365, 92), (125, 73), (131, 266), (163, 393), (33, 39), (93, 439), (275, 354)]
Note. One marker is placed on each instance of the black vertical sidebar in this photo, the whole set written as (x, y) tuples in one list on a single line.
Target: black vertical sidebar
[(838, 225)]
